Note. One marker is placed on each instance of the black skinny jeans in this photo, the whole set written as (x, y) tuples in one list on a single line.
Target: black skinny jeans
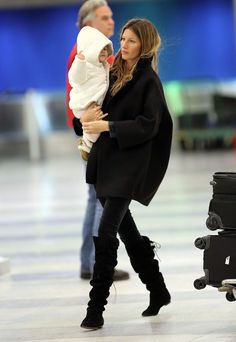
[(117, 218)]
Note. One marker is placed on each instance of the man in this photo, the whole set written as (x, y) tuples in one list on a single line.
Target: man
[(97, 14)]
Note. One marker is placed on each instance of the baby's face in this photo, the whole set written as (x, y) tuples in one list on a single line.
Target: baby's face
[(103, 55)]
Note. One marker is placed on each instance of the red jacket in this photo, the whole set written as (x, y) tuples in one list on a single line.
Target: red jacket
[(72, 55)]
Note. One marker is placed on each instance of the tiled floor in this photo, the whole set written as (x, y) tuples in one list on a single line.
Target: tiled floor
[(43, 299)]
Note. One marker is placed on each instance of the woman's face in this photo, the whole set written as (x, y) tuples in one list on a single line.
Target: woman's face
[(130, 46)]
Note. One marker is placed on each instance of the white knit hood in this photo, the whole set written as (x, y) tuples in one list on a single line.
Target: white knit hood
[(91, 41)]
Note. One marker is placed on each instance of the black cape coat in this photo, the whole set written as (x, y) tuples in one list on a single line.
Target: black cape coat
[(133, 163)]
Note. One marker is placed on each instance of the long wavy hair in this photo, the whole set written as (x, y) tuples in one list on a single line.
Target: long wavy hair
[(150, 44)]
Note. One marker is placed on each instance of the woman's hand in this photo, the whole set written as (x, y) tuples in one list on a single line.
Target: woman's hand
[(95, 126), (92, 113)]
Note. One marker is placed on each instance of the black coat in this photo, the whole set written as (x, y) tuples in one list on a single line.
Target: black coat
[(133, 164)]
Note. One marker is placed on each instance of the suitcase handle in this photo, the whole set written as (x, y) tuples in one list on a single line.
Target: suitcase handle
[(213, 183)]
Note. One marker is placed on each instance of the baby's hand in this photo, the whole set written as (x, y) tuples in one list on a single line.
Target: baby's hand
[(80, 55)]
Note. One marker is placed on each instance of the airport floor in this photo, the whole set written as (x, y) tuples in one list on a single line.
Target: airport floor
[(43, 299)]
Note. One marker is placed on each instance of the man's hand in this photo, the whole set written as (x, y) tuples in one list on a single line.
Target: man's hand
[(92, 113), (95, 126)]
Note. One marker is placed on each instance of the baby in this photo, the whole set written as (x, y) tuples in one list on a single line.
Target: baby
[(89, 77)]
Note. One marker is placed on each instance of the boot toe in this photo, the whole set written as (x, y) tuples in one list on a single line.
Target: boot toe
[(150, 312), (92, 322), (153, 311), (156, 303)]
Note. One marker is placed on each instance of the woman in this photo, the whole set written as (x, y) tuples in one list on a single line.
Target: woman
[(128, 162)]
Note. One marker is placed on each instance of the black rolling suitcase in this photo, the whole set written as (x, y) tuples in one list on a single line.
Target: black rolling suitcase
[(219, 261), (219, 257), (222, 207)]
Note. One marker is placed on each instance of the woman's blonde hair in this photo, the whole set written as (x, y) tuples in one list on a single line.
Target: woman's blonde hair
[(150, 43)]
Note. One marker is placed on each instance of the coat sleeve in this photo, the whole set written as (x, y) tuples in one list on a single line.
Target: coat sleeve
[(78, 72), (77, 126), (144, 127)]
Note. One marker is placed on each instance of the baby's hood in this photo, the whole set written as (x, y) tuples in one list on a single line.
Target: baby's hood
[(91, 41)]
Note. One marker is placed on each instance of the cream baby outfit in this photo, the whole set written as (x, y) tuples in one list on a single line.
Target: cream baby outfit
[(88, 78)]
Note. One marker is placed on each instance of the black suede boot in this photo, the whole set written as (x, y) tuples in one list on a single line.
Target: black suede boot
[(105, 262), (142, 256)]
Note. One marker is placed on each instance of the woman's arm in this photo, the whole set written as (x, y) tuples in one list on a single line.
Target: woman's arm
[(134, 132), (92, 114)]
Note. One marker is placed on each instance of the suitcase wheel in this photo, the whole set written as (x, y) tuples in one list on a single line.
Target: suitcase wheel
[(200, 243), (213, 222), (200, 283), (213, 183), (230, 297)]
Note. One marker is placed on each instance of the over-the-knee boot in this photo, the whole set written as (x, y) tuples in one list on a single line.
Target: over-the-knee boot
[(142, 256), (105, 262)]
